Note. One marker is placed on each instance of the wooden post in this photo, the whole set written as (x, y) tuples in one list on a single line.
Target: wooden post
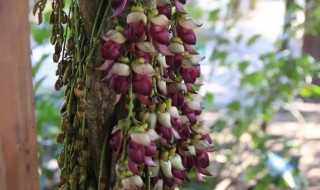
[(18, 148)]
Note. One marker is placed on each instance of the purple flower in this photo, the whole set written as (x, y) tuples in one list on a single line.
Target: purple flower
[(177, 99), (165, 10), (190, 75), (111, 50), (135, 32), (142, 84), (187, 35)]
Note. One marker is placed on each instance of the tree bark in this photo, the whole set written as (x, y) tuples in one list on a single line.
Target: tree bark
[(18, 148), (100, 98)]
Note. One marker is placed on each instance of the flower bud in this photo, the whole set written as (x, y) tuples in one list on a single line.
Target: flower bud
[(166, 168), (164, 119), (176, 162), (134, 182)]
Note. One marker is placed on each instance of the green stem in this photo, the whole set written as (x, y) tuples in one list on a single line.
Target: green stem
[(95, 22), (76, 22), (148, 178), (94, 40), (102, 159)]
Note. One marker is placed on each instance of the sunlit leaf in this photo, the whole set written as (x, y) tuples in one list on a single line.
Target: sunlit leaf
[(253, 39)]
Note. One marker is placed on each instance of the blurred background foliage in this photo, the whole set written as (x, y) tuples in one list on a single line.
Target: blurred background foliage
[(265, 84)]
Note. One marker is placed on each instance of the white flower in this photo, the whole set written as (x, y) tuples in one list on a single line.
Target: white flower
[(164, 119), (143, 69), (115, 36), (145, 138), (189, 23), (162, 60), (155, 170), (159, 185), (162, 86), (202, 144), (166, 168), (134, 182), (136, 17), (121, 69), (176, 162), (176, 48), (160, 20), (174, 112), (190, 152), (184, 119), (152, 120), (146, 47), (189, 61), (153, 135)]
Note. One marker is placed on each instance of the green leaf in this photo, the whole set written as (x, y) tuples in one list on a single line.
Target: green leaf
[(38, 84), (243, 66), (253, 171), (255, 78), (213, 16), (36, 67), (253, 39), (239, 38), (315, 90), (210, 98), (235, 105), (222, 41)]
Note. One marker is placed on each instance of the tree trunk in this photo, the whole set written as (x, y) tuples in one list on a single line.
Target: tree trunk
[(101, 111), (18, 148)]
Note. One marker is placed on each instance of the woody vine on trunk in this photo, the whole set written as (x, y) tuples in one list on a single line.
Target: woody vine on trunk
[(137, 56)]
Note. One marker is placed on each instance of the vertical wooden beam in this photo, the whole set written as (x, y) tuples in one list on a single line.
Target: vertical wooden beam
[(18, 148)]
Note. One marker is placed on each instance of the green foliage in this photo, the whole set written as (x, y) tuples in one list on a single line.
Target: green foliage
[(239, 133)]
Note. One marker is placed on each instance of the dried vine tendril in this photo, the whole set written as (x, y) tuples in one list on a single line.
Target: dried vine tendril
[(73, 53), (149, 62)]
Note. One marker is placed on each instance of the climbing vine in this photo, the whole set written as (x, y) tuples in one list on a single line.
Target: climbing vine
[(149, 62)]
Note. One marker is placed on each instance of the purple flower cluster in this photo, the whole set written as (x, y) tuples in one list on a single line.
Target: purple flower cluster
[(150, 60)]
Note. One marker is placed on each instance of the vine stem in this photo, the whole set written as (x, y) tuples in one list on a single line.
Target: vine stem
[(102, 160), (128, 119), (148, 178), (96, 21), (95, 39)]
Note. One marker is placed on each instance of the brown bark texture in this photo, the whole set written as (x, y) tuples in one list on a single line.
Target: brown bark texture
[(100, 98), (18, 148)]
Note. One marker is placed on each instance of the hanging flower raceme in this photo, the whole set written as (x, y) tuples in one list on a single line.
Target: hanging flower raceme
[(150, 60)]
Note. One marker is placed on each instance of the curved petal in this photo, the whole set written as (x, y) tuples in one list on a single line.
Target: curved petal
[(143, 69), (149, 162), (146, 47), (137, 17), (133, 167), (160, 20), (115, 36), (189, 23), (141, 138), (120, 8), (176, 48), (121, 69), (134, 182), (179, 6), (164, 49), (166, 168)]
